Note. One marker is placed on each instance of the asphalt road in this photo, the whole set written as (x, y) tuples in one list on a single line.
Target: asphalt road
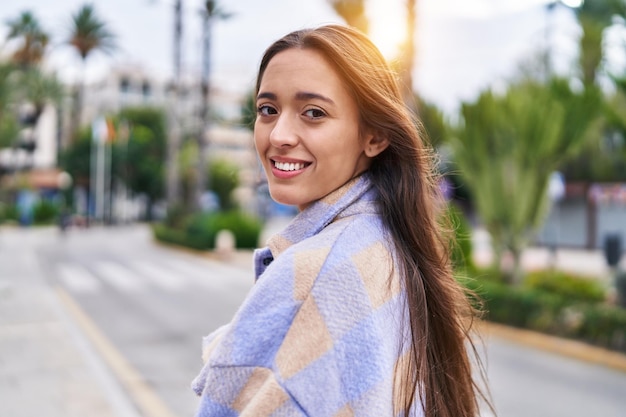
[(149, 307)]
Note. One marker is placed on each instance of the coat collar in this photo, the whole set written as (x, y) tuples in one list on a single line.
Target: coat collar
[(354, 197)]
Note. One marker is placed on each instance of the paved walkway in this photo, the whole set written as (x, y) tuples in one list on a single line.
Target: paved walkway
[(47, 367), (591, 263)]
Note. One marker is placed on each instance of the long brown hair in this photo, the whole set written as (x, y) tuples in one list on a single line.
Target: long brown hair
[(438, 369)]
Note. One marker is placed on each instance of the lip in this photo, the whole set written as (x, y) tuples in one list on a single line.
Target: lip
[(287, 174)]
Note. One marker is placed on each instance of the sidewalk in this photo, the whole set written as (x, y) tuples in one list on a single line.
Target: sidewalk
[(46, 365), (578, 261)]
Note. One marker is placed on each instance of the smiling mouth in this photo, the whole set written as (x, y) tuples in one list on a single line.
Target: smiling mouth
[(290, 166)]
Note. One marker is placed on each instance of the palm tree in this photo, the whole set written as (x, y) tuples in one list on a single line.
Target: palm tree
[(353, 12), (41, 89), (28, 87), (506, 148), (8, 122), (210, 13), (594, 16), (88, 33), (407, 56), (34, 39)]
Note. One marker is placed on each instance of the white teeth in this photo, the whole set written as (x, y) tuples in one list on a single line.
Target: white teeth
[(288, 166)]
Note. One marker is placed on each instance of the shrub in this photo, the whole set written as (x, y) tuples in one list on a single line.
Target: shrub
[(603, 325), (620, 286), (245, 228), (45, 212), (169, 235), (200, 230), (549, 312), (461, 253), (517, 306), (572, 287), (8, 213), (223, 180), (176, 216)]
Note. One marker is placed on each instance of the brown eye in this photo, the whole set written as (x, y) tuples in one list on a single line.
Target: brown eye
[(314, 113), (266, 110)]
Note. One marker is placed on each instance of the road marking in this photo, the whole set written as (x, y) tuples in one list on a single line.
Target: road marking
[(145, 398), (118, 276), (198, 275), (77, 278), (212, 276), (160, 276)]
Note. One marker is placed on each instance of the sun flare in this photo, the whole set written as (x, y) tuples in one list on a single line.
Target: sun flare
[(387, 26)]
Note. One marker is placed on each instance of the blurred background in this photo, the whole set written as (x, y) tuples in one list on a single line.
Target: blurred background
[(127, 164)]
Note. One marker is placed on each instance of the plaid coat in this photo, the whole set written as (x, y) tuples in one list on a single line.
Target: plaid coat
[(319, 333)]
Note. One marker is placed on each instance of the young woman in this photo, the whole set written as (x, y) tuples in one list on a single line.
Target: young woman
[(355, 311)]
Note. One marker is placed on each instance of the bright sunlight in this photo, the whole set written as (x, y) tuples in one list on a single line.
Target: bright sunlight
[(387, 25)]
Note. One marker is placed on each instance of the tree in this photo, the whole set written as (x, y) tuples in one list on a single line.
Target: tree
[(594, 16), (506, 148), (88, 33), (25, 89), (223, 180), (247, 115), (210, 14), (407, 57), (8, 123), (33, 39), (140, 161), (75, 158), (602, 159), (433, 121), (41, 89), (30, 85), (353, 12), (172, 187)]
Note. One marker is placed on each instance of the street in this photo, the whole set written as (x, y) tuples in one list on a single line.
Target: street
[(139, 311)]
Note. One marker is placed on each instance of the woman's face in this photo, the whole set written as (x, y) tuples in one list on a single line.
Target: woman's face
[(307, 129)]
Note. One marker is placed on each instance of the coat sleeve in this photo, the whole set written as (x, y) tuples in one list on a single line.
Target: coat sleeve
[(239, 376)]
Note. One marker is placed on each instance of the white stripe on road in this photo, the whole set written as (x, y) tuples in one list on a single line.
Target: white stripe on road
[(164, 278), (213, 275), (77, 278), (191, 272), (118, 276)]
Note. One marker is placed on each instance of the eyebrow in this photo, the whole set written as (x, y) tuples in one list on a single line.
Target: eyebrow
[(301, 96)]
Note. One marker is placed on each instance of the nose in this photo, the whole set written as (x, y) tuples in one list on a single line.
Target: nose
[(284, 132)]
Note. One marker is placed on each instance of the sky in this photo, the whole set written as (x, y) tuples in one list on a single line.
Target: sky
[(463, 46)]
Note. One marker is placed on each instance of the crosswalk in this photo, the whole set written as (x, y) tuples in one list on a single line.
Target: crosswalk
[(78, 278), (167, 274)]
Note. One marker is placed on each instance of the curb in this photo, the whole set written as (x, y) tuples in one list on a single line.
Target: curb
[(565, 347), (146, 400)]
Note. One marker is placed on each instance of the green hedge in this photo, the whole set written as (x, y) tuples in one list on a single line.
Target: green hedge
[(199, 231), (45, 212), (8, 213), (545, 311), (601, 325), (573, 287)]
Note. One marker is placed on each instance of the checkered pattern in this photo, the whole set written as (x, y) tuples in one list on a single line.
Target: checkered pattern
[(319, 333)]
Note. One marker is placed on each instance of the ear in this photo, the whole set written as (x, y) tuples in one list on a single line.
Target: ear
[(374, 144)]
